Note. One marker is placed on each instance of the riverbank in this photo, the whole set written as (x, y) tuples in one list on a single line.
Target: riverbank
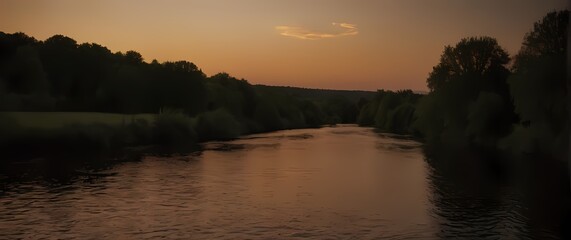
[(63, 135)]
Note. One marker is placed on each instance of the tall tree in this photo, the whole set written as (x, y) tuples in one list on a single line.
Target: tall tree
[(539, 84), (469, 76), (476, 57)]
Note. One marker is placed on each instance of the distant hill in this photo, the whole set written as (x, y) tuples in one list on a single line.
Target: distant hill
[(316, 94)]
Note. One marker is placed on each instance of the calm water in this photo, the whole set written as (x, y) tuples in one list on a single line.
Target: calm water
[(331, 183)]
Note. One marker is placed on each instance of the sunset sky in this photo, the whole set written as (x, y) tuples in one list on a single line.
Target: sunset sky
[(336, 44)]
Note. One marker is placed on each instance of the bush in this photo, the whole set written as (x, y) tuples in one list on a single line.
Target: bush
[(218, 124), (173, 128), (267, 115), (487, 119), (93, 138), (401, 118)]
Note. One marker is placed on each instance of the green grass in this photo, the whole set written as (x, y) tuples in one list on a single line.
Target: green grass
[(52, 120)]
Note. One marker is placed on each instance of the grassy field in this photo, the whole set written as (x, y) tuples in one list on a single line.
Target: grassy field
[(51, 120)]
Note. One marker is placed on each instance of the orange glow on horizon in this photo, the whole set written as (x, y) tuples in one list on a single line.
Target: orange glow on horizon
[(334, 44)]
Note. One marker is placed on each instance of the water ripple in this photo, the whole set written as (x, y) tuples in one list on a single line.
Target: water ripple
[(329, 183)]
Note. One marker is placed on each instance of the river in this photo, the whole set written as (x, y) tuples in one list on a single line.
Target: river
[(342, 182)]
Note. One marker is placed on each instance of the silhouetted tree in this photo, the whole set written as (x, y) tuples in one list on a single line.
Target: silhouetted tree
[(58, 54), (470, 75), (133, 57), (539, 85), (478, 59), (23, 82)]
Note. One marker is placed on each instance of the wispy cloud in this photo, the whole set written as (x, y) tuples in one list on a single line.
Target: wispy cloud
[(305, 34)]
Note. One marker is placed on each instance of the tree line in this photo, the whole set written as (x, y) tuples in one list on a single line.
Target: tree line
[(59, 74), (482, 98)]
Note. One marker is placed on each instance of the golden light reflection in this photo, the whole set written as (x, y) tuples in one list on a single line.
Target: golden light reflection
[(306, 34)]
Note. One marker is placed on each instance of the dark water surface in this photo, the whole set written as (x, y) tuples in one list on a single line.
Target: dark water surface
[(332, 183)]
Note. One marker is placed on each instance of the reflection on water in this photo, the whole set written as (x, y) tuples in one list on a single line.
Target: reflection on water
[(331, 183), (463, 213)]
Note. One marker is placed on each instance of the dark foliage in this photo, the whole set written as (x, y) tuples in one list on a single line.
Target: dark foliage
[(540, 89), (60, 75), (390, 111), (469, 103)]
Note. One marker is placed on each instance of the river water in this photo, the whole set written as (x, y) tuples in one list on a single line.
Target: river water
[(342, 182)]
